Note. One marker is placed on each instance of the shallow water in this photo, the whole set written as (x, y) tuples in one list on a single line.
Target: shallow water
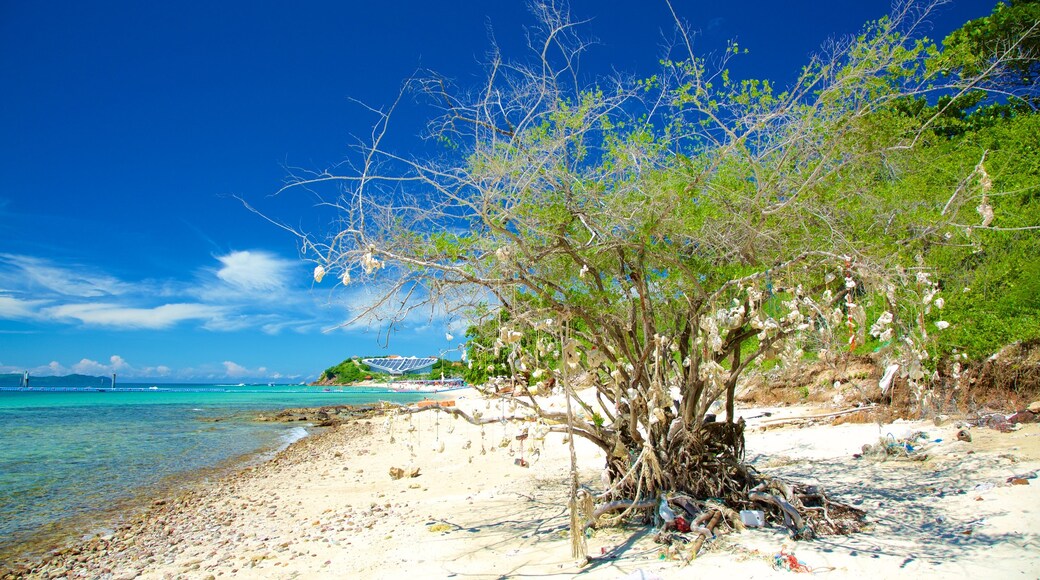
[(67, 458)]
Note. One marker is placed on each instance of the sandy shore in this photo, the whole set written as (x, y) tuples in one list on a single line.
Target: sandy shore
[(327, 508)]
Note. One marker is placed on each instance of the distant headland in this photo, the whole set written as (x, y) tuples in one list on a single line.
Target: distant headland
[(20, 380)]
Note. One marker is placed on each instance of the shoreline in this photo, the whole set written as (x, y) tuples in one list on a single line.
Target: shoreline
[(68, 532), (326, 507)]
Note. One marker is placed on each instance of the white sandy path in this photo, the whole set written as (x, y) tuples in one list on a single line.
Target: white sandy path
[(327, 508)]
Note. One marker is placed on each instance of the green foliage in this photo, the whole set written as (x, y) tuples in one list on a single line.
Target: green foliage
[(482, 360), (346, 372), (989, 275), (447, 369), (694, 223), (972, 48)]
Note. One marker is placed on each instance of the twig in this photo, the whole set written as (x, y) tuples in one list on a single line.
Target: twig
[(810, 417)]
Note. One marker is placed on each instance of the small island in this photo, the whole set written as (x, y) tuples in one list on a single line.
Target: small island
[(74, 381), (397, 373)]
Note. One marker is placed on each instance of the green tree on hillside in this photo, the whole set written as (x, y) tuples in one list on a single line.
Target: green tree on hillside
[(656, 238), (347, 372), (1002, 48)]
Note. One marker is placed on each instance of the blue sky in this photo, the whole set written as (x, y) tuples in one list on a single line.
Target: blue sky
[(128, 128)]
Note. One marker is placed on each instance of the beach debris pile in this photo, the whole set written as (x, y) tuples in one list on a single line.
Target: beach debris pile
[(684, 523), (784, 561), (911, 446), (1007, 423)]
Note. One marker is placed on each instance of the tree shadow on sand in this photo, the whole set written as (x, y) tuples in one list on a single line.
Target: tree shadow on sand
[(911, 506), (538, 530)]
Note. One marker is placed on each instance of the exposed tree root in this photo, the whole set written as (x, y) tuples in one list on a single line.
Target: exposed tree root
[(706, 476), (695, 475)]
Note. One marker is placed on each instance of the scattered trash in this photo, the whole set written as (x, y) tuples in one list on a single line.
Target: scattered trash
[(753, 518), (440, 528), (984, 486), (886, 380), (681, 525), (910, 447), (665, 511), (964, 435), (792, 519), (1018, 481), (785, 561)]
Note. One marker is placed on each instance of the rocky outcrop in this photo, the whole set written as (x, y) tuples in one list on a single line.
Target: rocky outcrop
[(319, 416)]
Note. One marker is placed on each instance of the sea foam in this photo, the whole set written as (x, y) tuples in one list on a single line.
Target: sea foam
[(292, 436)]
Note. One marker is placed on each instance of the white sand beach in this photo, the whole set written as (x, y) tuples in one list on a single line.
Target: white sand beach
[(326, 507)]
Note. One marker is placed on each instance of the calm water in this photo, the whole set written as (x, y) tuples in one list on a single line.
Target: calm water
[(67, 459)]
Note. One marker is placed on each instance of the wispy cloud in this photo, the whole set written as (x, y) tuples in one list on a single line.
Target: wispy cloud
[(37, 273), (116, 315), (12, 308), (247, 289)]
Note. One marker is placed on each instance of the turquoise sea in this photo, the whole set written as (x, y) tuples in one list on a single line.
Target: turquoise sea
[(72, 461)]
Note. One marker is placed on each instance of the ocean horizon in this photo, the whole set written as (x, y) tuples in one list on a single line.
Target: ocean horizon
[(75, 461)]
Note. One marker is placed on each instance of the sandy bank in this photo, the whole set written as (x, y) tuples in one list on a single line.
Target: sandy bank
[(327, 508)]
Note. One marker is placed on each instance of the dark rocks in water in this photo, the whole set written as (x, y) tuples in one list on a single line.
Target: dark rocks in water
[(321, 416)]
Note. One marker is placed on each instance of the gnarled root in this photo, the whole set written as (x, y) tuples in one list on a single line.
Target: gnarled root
[(702, 472)]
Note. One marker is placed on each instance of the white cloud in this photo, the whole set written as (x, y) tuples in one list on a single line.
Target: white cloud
[(89, 367), (235, 370), (77, 281), (106, 314), (17, 309), (254, 272), (116, 364), (247, 290)]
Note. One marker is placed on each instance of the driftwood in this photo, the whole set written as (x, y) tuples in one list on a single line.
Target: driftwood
[(710, 528), (782, 420)]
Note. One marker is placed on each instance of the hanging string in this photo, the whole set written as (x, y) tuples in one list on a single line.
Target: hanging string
[(579, 549)]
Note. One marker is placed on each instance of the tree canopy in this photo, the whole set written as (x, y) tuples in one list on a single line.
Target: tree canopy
[(657, 237)]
